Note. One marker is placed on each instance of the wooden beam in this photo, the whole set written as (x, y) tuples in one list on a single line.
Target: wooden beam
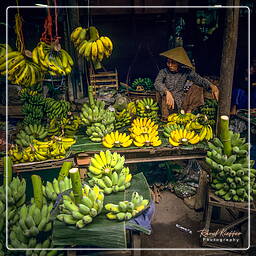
[(228, 57)]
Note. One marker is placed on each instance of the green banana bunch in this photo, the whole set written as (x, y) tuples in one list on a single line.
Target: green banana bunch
[(230, 175), (123, 118), (146, 83), (147, 108), (89, 44), (125, 210), (20, 70), (26, 93), (52, 189), (99, 121), (56, 63), (82, 214), (113, 181), (30, 132), (171, 127), (70, 125), (56, 108)]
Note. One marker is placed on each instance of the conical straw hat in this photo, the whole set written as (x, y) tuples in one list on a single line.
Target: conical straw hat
[(178, 54)]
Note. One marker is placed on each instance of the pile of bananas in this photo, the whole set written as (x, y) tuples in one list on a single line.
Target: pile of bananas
[(180, 118), (123, 118), (42, 150), (66, 126), (16, 198), (99, 121), (108, 172), (21, 71), (126, 210), (131, 107), (52, 189), (183, 137), (113, 182), (30, 132), (26, 93), (171, 127), (3, 49), (147, 108), (56, 63), (146, 83), (82, 214), (89, 44), (56, 108), (230, 174), (116, 139), (144, 132), (209, 109), (33, 228)]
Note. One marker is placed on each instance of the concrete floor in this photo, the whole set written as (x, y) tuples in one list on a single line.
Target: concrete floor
[(169, 212)]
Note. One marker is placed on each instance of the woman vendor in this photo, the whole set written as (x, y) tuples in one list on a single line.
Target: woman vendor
[(170, 82)]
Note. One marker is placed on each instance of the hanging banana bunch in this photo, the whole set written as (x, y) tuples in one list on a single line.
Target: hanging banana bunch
[(89, 44), (3, 49), (56, 63)]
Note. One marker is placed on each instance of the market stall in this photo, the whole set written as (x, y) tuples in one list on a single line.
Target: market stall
[(72, 166)]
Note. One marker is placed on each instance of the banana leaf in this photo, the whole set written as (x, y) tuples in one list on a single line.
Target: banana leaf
[(102, 232)]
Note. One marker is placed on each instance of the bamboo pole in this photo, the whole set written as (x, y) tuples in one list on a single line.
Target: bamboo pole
[(76, 184), (7, 170), (37, 190), (225, 135), (64, 170)]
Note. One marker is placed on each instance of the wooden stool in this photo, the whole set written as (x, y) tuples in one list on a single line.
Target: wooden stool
[(238, 211)]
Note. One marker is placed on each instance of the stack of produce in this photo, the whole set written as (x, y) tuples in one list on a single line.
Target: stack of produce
[(230, 174), (52, 189), (147, 108), (29, 133), (3, 49), (183, 137), (56, 63), (66, 126), (108, 172), (89, 44), (123, 118), (209, 109), (56, 108), (146, 83), (42, 150), (99, 121), (21, 71), (144, 132), (181, 118), (126, 210), (33, 109), (82, 204), (116, 139)]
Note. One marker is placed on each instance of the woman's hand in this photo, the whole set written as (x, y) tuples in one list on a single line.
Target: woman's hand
[(215, 91), (169, 100)]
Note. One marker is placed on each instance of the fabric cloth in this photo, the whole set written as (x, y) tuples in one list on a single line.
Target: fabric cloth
[(178, 54), (175, 82)]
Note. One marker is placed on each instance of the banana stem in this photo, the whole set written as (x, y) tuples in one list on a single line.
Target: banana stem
[(76, 184), (64, 170), (7, 170), (225, 135), (37, 190)]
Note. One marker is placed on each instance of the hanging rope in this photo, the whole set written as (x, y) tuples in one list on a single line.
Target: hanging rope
[(47, 34), (18, 30), (56, 22)]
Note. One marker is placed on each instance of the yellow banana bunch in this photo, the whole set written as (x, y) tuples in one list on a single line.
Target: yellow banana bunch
[(183, 136), (89, 44), (3, 49), (206, 133), (116, 139), (147, 140), (181, 118), (56, 63), (19, 69), (194, 125), (143, 122), (137, 131)]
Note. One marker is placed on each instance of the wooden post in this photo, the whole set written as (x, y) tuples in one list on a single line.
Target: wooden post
[(228, 57)]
